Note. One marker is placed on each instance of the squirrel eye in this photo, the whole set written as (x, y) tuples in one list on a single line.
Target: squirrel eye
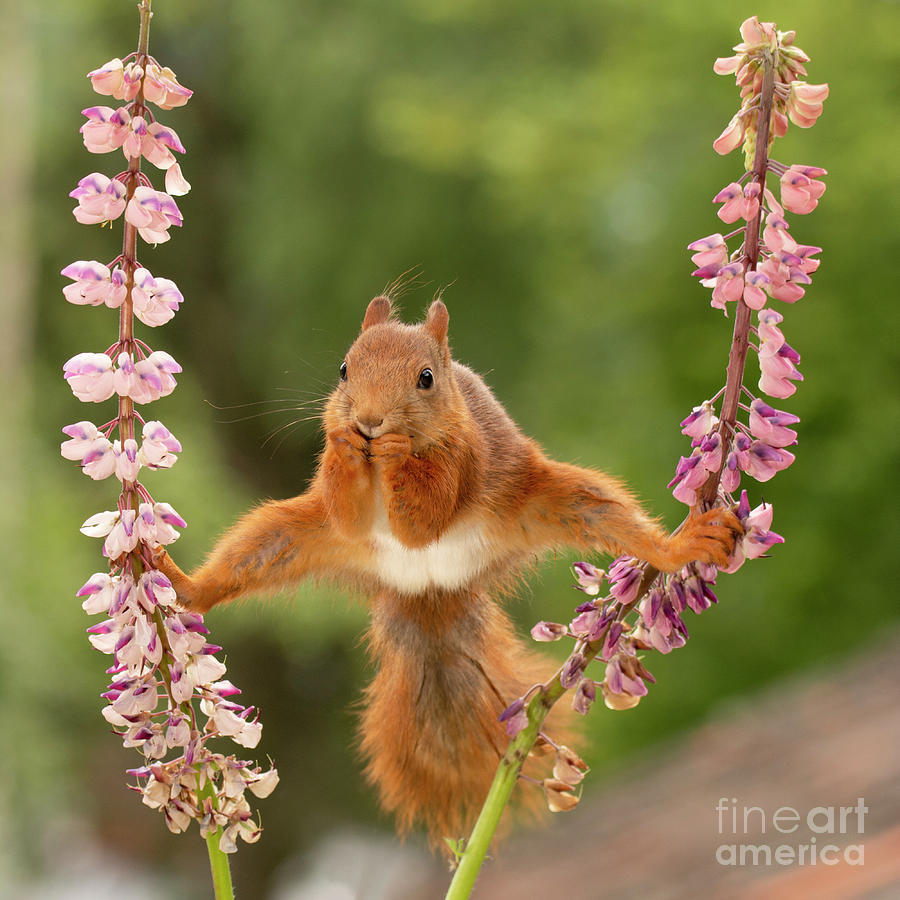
[(426, 379), (343, 371)]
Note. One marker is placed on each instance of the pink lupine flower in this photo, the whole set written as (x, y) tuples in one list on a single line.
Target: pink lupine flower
[(589, 578), (754, 294), (155, 142), (548, 631), (700, 422), (162, 88), (769, 333), (770, 425), (127, 463), (625, 580), (778, 369), (758, 536), (100, 199), (117, 80), (775, 234), (584, 696), (711, 452), (152, 212), (98, 592), (148, 379), (94, 284), (762, 461), (155, 300), (176, 184), (784, 276), (731, 474), (800, 191), (804, 102), (90, 376), (690, 474), (732, 136), (106, 128), (158, 446), (729, 285), (738, 203), (101, 460)]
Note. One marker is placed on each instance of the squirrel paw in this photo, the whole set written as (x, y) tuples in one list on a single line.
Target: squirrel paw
[(349, 443), (390, 448), (707, 537)]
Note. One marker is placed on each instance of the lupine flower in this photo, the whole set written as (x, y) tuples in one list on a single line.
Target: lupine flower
[(738, 203), (623, 685), (584, 696), (559, 795), (770, 425), (755, 283), (758, 536), (176, 184), (548, 631), (158, 446), (660, 627), (146, 380), (589, 578), (155, 142), (700, 422), (155, 300), (733, 135), (94, 284), (515, 716), (152, 212), (778, 370), (800, 191), (569, 766), (763, 461), (804, 102), (162, 88), (90, 376), (625, 580), (100, 199), (106, 128), (117, 80), (97, 455), (690, 474), (729, 285)]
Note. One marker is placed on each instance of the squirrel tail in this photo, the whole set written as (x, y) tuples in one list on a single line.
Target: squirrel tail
[(448, 665)]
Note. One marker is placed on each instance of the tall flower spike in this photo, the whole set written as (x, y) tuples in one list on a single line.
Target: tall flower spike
[(166, 697)]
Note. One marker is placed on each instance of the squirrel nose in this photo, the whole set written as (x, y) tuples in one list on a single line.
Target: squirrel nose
[(368, 424)]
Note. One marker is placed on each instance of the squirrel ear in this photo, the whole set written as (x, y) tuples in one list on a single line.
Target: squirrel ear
[(377, 312), (437, 321)]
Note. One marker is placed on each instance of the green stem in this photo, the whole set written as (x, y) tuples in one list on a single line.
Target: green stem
[(472, 858), (218, 860)]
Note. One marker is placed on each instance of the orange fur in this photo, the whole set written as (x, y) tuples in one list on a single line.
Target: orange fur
[(428, 498)]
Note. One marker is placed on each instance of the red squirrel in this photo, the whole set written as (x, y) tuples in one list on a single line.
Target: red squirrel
[(429, 499)]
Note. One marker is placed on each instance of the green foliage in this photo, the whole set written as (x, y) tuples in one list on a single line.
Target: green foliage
[(551, 162)]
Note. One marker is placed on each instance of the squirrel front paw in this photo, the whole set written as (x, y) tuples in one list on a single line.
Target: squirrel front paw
[(707, 537), (391, 449), (349, 444), (180, 582)]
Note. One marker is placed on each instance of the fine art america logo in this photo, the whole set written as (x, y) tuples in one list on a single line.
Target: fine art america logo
[(788, 837)]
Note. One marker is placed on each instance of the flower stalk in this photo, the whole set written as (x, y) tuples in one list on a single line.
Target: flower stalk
[(644, 609), (167, 697)]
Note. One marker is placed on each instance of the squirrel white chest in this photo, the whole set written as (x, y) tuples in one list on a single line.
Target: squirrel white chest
[(450, 562)]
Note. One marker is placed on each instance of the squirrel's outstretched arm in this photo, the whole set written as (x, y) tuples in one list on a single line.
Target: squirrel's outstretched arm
[(277, 543), (587, 510)]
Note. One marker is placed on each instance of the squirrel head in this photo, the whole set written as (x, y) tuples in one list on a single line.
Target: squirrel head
[(398, 378)]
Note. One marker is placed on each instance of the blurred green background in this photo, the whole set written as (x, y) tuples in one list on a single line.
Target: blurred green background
[(548, 161)]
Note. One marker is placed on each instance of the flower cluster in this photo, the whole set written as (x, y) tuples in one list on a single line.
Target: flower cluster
[(794, 100), (167, 695), (643, 609)]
